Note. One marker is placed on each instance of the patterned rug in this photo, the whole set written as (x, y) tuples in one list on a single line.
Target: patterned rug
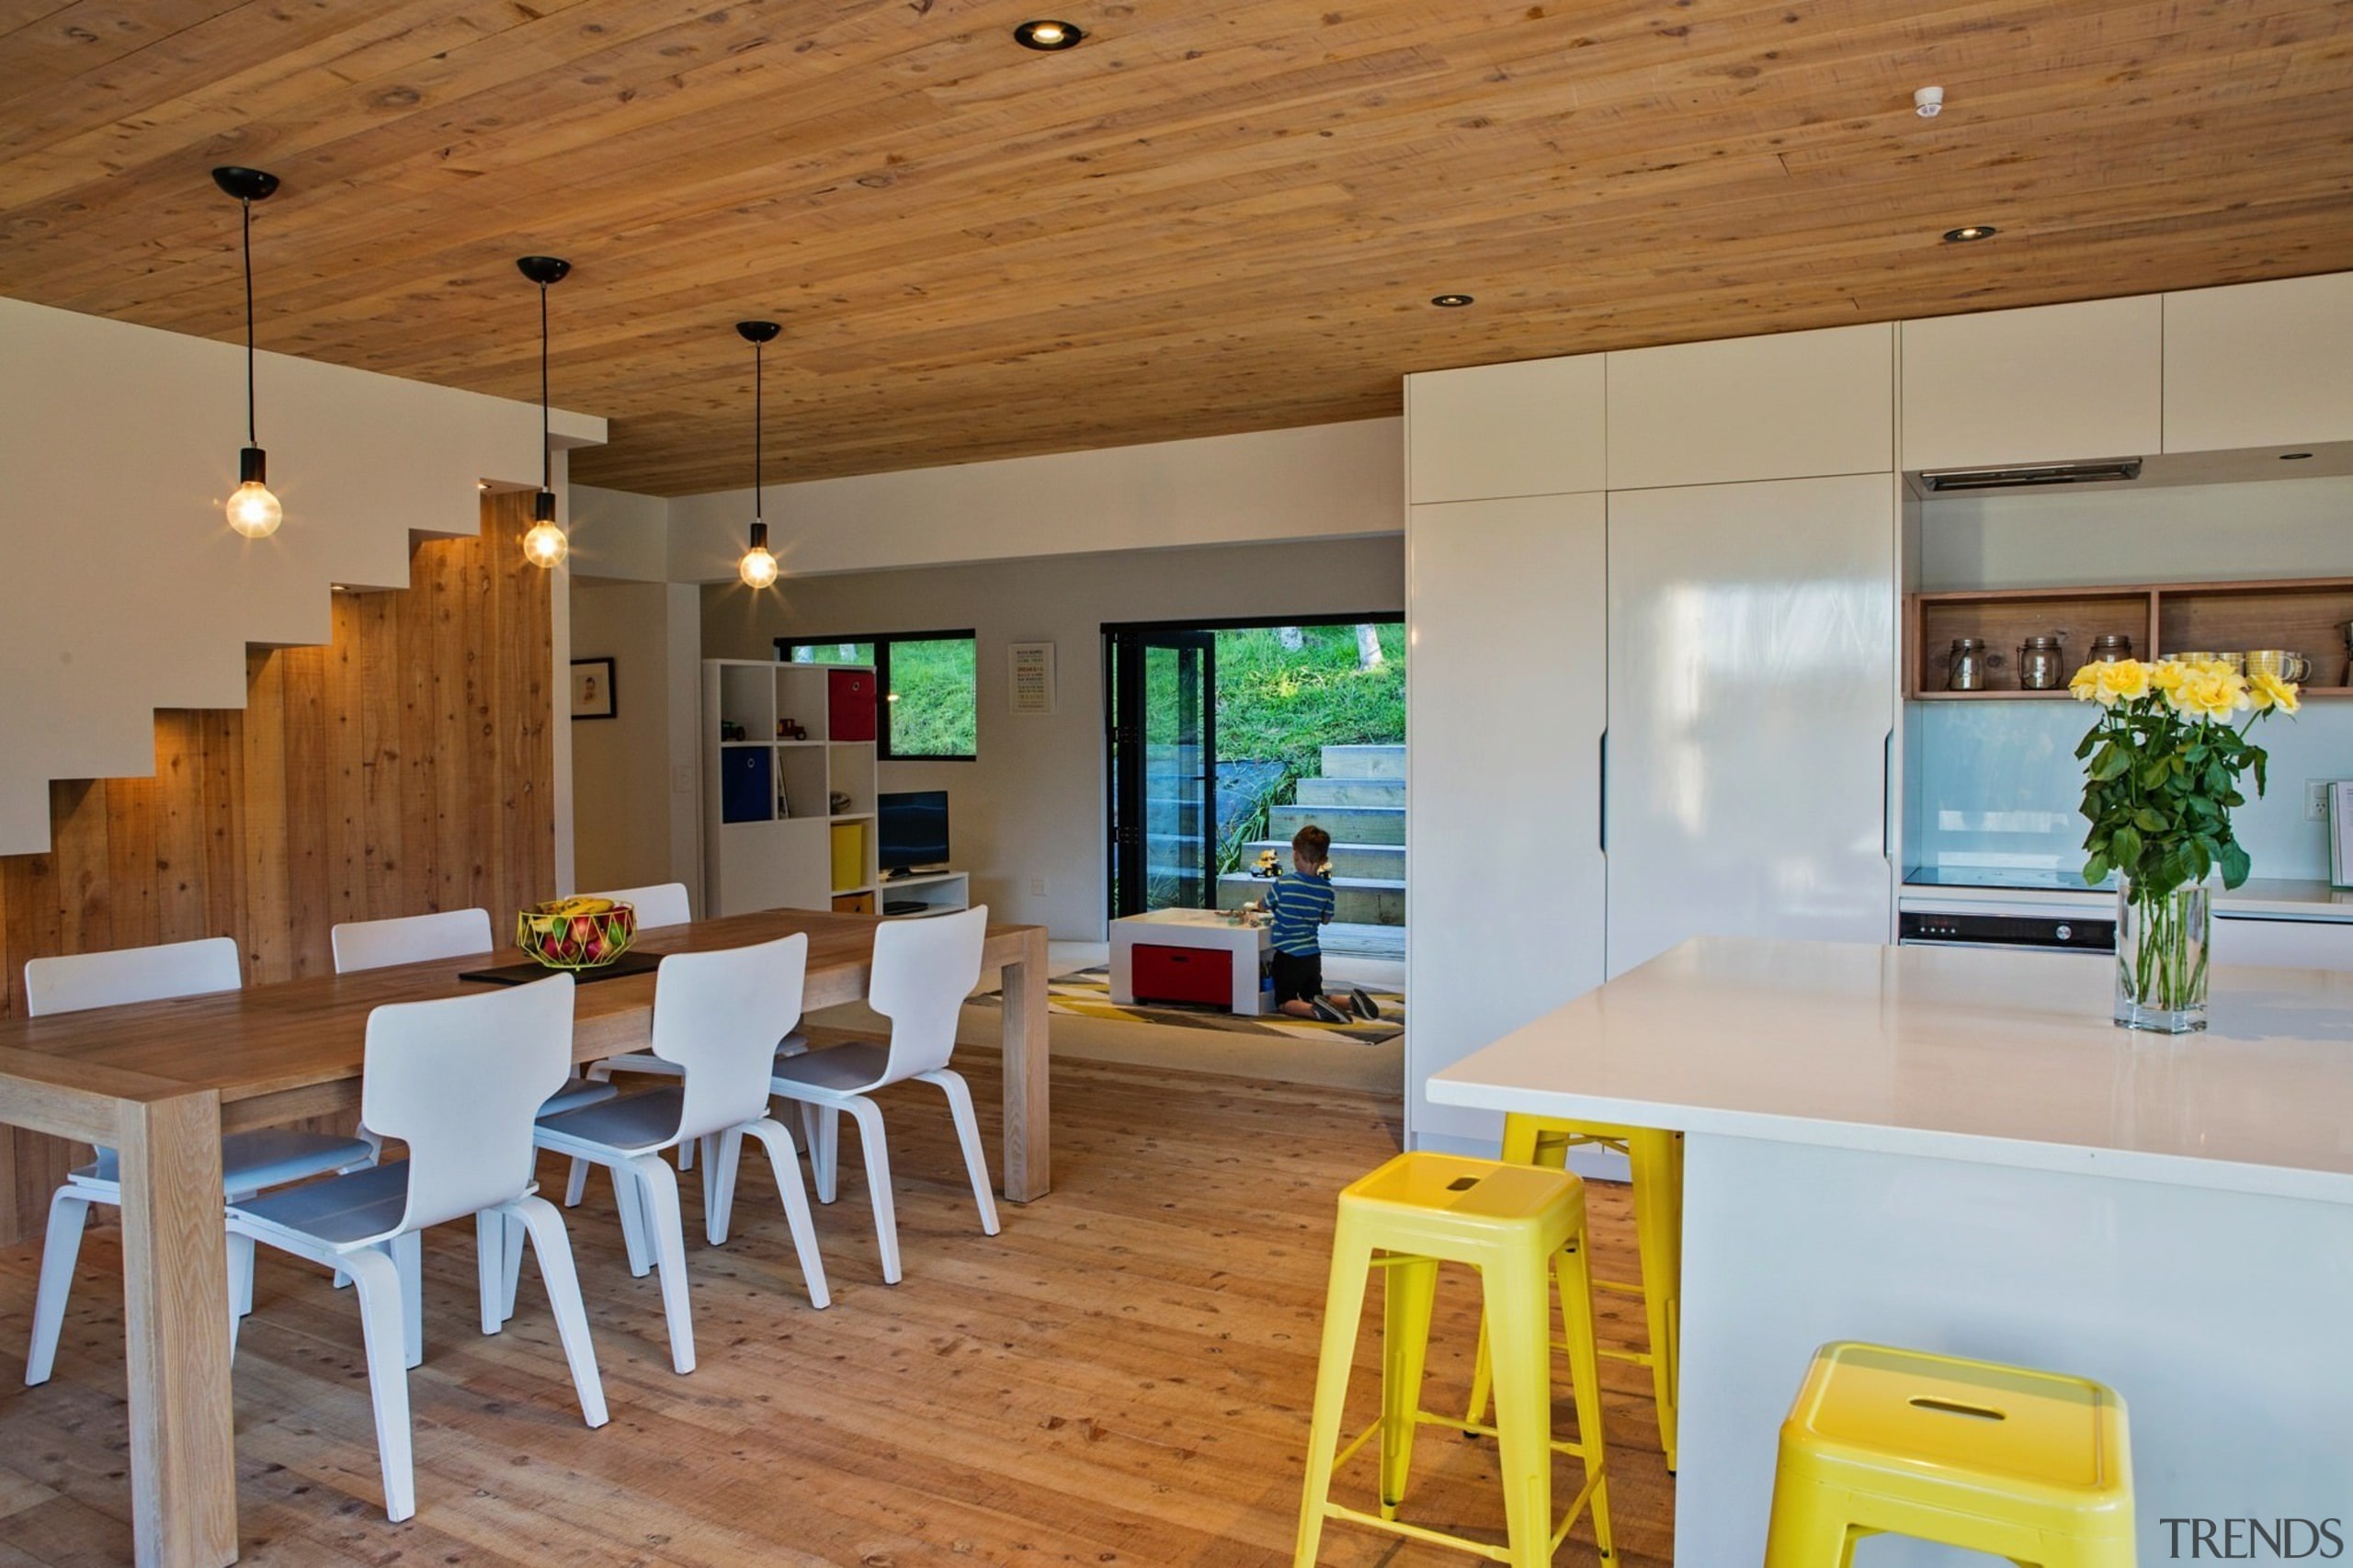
[(1087, 993)]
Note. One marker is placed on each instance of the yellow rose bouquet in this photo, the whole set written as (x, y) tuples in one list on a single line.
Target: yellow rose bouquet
[(2161, 776)]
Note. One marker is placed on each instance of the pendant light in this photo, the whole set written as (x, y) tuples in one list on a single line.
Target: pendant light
[(758, 568), (252, 510), (544, 544)]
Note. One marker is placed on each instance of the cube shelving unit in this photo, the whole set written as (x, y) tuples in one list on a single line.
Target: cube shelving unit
[(771, 838)]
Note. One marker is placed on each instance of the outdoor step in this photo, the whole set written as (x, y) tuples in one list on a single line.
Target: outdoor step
[(1364, 762), (1170, 816), (1383, 861), (1363, 901), (1351, 792), (1350, 824)]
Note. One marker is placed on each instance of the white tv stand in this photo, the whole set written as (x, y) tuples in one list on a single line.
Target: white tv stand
[(937, 891)]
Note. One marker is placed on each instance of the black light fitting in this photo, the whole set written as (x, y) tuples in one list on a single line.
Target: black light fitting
[(1048, 35), (252, 510), (1969, 231), (543, 543), (1451, 301), (758, 569)]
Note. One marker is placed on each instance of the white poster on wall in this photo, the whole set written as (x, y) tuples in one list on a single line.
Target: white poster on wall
[(1031, 686)]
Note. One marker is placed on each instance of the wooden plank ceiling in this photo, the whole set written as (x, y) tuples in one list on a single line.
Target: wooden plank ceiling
[(1208, 218)]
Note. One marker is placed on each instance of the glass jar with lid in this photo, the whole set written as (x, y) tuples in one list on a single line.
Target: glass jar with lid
[(2043, 664), (1972, 664)]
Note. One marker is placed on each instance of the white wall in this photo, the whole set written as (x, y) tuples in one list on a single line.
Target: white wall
[(1027, 816), (618, 534), (124, 589), (631, 824), (1320, 481), (2139, 533)]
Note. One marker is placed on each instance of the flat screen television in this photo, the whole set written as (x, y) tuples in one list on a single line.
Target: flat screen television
[(911, 829)]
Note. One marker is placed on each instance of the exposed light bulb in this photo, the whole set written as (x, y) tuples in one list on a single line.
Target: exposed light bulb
[(253, 511), (758, 568), (544, 545)]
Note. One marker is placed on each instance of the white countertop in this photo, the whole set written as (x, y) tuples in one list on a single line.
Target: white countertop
[(1999, 1057), (2275, 898)]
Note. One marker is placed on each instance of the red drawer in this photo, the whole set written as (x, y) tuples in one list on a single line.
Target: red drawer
[(850, 705), (1181, 974)]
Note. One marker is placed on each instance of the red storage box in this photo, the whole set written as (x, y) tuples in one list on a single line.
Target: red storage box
[(850, 705), (1181, 974)]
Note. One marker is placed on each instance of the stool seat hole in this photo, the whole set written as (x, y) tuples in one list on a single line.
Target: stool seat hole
[(1464, 1184), (1950, 1407)]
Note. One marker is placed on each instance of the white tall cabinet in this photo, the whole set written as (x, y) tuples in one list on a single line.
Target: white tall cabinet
[(1506, 788), (1707, 578), (1752, 713)]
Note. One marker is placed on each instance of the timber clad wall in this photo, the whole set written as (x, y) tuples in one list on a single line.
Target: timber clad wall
[(407, 767)]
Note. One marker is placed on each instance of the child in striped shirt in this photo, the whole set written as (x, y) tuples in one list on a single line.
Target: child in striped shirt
[(1298, 905)]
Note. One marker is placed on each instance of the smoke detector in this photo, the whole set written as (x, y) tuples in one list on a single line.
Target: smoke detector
[(1928, 102)]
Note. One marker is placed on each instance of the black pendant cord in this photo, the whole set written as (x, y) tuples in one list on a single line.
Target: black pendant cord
[(546, 456), (759, 428), (252, 437)]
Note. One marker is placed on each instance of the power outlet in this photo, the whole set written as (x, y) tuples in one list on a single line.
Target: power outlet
[(2316, 800), (1037, 887)]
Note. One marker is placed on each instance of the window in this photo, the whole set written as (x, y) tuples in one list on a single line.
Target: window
[(930, 707)]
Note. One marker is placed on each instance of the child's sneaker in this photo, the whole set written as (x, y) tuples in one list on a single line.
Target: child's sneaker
[(1326, 1013), (1361, 1000)]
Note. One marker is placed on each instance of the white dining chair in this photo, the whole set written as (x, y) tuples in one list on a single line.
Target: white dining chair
[(717, 1017), (656, 904), (410, 938), (923, 971), (446, 934), (269, 1156), (460, 1081)]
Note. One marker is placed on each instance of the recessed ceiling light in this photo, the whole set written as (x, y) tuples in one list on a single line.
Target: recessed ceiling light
[(1047, 35), (2293, 456), (1450, 302), (1969, 231)]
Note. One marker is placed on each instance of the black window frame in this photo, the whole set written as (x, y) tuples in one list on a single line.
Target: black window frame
[(882, 641)]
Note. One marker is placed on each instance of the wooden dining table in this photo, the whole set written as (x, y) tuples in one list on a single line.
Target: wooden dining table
[(160, 1082)]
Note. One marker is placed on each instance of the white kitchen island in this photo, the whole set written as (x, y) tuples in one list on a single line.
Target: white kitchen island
[(1957, 1150)]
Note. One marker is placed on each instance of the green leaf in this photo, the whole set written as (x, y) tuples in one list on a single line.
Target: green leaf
[(2124, 848), (2096, 871), (2111, 763), (2148, 821), (2236, 865)]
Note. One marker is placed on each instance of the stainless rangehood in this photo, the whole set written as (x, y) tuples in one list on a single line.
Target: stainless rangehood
[(1938, 481)]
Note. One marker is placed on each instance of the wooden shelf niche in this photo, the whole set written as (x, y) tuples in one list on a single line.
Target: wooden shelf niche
[(2304, 615)]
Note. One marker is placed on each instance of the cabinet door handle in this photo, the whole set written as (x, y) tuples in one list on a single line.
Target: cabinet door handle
[(1601, 817), (1886, 800)]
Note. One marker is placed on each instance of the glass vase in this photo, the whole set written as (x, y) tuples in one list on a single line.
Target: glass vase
[(2161, 942)]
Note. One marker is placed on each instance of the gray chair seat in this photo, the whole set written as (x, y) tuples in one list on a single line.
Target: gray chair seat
[(646, 1120), (845, 1069), (340, 1210), (269, 1156)]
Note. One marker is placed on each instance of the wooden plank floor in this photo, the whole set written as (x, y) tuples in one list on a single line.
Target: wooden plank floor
[(1122, 1377)]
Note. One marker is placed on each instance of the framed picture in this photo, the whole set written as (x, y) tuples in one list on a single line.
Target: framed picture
[(2340, 833), (1030, 678), (592, 688)]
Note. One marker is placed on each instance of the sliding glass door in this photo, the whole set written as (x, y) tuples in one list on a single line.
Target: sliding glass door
[(1163, 730)]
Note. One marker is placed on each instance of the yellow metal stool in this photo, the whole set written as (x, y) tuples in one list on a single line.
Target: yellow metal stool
[(1521, 1227), (2031, 1466), (1657, 1157)]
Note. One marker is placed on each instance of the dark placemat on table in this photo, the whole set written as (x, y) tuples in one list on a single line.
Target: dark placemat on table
[(524, 974)]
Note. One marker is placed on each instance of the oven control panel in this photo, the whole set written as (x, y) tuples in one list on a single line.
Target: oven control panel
[(2058, 933)]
